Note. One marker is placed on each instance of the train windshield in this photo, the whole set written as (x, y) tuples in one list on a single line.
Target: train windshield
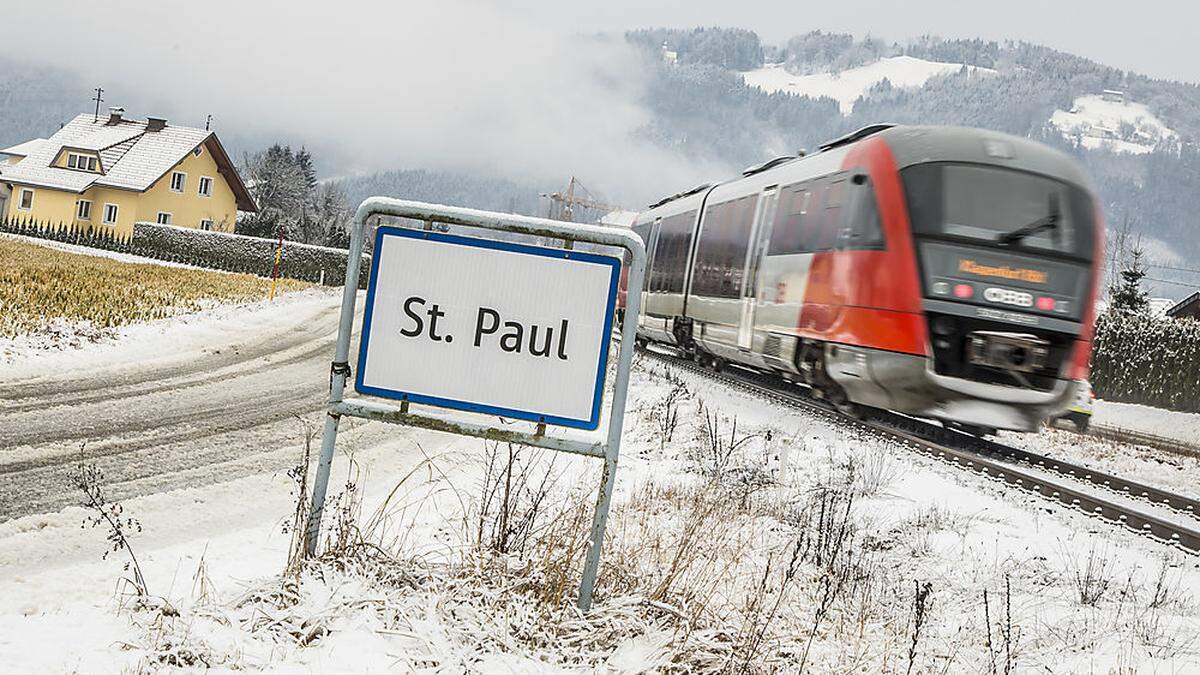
[(1000, 206)]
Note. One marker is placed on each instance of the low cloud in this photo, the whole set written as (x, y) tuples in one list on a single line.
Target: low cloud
[(455, 85)]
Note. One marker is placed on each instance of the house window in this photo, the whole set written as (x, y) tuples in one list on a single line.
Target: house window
[(164, 218), (205, 186), (81, 162), (110, 214), (206, 224), (26, 201), (177, 180), (84, 211)]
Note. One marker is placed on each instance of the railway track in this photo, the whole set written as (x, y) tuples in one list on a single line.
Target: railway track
[(1107, 496)]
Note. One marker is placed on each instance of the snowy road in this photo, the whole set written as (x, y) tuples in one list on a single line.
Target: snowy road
[(218, 407)]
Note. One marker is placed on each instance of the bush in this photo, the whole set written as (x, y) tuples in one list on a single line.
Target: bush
[(1147, 360), (201, 248), (239, 253)]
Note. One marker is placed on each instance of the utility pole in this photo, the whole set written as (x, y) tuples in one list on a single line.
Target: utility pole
[(98, 100)]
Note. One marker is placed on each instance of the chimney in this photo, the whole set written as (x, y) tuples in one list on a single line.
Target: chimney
[(114, 115), (156, 123)]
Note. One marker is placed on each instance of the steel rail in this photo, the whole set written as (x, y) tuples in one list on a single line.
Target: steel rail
[(980, 459)]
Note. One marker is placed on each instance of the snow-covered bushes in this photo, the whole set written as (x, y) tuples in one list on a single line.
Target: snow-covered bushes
[(239, 253), (1141, 359), (201, 248)]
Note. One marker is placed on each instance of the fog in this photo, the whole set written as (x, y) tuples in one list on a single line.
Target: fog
[(368, 86), (511, 89)]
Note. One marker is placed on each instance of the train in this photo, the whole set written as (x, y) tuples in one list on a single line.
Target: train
[(941, 272)]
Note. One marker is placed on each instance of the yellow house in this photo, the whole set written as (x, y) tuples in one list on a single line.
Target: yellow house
[(109, 172)]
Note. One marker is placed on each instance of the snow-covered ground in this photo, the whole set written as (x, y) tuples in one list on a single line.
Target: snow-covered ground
[(1098, 123), (847, 86), (1180, 426), (713, 527)]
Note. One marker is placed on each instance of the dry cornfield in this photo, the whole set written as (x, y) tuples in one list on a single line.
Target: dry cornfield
[(41, 285)]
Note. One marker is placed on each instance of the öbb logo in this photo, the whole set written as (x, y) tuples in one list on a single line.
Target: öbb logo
[(1007, 296)]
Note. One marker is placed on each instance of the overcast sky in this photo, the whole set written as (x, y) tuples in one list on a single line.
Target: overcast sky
[(502, 87), (1160, 38)]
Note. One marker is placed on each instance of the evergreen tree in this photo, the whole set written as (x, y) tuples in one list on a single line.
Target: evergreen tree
[(1127, 294)]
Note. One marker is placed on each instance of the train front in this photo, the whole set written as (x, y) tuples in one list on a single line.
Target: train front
[(1007, 240)]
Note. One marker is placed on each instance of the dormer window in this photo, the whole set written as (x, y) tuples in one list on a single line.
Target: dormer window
[(81, 162)]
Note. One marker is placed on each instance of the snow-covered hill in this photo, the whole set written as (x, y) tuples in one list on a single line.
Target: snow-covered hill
[(1110, 120), (848, 85)]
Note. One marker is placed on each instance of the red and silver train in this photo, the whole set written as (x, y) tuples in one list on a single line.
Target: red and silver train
[(942, 272)]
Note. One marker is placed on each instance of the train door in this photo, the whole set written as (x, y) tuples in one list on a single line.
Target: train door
[(760, 235)]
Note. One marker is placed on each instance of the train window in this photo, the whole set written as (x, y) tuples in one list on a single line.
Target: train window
[(983, 203), (827, 222), (790, 216), (671, 251), (721, 251), (677, 231), (861, 228)]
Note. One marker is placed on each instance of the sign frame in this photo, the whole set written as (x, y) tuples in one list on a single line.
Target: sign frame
[(512, 247), (606, 448)]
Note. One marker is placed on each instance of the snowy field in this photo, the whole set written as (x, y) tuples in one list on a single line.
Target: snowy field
[(1180, 426), (1098, 123), (847, 86), (744, 535)]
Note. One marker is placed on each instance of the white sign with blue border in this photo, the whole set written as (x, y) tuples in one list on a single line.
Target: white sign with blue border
[(487, 326)]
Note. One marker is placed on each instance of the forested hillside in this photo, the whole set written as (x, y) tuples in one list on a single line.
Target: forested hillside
[(706, 109), (701, 108)]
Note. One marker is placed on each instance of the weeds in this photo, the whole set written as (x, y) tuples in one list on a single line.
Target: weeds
[(513, 498), (920, 614), (1092, 577), (88, 478), (1007, 632)]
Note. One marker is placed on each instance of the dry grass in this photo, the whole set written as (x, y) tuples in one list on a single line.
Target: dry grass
[(40, 286)]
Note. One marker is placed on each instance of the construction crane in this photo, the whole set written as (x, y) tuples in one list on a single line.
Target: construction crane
[(563, 204)]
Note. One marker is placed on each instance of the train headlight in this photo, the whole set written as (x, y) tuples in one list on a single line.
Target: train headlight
[(964, 291), (1046, 304)]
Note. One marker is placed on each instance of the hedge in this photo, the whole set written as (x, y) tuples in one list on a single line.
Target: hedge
[(1147, 360), (239, 253), (213, 250)]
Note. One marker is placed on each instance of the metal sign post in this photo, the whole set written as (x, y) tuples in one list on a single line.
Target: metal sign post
[(458, 351)]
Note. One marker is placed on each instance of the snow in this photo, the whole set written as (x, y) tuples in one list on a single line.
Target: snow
[(1179, 426), (1097, 123), (925, 520), (177, 338), (847, 86)]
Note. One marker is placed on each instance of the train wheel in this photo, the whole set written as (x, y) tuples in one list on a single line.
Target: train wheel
[(640, 344)]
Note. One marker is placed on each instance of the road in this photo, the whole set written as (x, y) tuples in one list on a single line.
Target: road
[(190, 418)]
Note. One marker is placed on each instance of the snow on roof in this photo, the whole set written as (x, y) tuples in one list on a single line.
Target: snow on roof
[(131, 157), (619, 218), (1097, 122), (1159, 306), (848, 85), (23, 149)]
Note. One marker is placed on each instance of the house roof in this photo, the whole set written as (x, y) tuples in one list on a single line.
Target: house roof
[(23, 149), (1184, 304), (131, 157)]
